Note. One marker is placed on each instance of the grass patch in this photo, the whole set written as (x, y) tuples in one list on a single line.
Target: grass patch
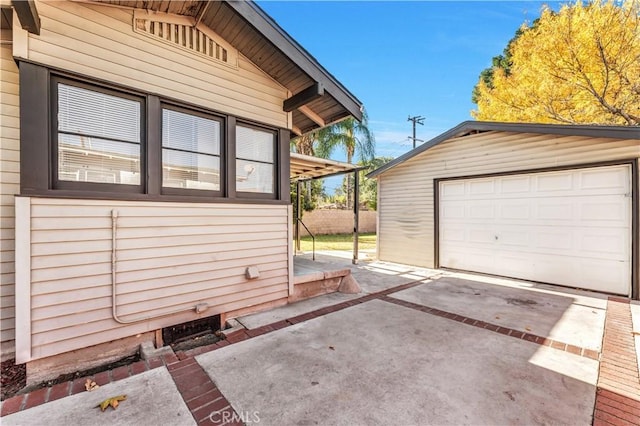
[(339, 242)]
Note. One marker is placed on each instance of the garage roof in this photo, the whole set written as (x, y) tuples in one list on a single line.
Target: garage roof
[(470, 127), (304, 167)]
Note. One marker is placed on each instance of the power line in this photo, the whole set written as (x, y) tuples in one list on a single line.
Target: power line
[(417, 119)]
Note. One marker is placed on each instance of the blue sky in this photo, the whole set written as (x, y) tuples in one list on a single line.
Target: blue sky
[(404, 58)]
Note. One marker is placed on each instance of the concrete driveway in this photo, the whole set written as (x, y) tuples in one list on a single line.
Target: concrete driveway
[(447, 350), (417, 347)]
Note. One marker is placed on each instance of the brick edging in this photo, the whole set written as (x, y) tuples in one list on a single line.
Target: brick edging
[(73, 387), (245, 334), (184, 361), (242, 335), (61, 390), (543, 341), (618, 389), (203, 398)]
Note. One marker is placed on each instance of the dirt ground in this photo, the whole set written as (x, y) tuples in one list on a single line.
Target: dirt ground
[(14, 378)]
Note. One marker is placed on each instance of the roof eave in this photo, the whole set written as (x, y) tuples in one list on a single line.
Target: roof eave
[(270, 29), (619, 132)]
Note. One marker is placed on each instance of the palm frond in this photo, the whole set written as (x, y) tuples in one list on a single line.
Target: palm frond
[(349, 134)]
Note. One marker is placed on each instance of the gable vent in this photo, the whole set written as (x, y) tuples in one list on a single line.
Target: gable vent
[(179, 31)]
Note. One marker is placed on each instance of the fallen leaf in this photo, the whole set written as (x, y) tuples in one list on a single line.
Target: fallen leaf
[(497, 316), (104, 404), (114, 401), (528, 328), (90, 385), (332, 348)]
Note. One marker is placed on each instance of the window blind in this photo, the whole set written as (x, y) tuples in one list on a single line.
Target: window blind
[(98, 137), (190, 151), (255, 169)]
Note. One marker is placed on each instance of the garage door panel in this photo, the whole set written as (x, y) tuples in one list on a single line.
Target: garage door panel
[(596, 243), (560, 184), (513, 262), (570, 227), (482, 236), (552, 183), (603, 209), (515, 185), (613, 180), (553, 211), (595, 273), (604, 243), (481, 187), (556, 239), (515, 210), (453, 234), (602, 273), (454, 211), (515, 238), (469, 259), (482, 210), (549, 268)]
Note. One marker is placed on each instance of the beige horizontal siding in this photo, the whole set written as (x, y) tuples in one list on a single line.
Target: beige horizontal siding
[(9, 185), (406, 206), (99, 41), (169, 256)]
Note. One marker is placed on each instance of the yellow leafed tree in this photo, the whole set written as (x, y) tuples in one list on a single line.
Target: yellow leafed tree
[(578, 65)]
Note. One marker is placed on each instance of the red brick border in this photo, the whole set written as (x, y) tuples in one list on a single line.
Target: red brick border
[(204, 400), (242, 335), (44, 395), (60, 390), (618, 394), (207, 404), (544, 341), (203, 397)]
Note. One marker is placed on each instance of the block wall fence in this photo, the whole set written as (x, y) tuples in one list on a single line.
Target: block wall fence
[(332, 221)]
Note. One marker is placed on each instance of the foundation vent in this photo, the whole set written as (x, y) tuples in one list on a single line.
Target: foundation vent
[(189, 330)]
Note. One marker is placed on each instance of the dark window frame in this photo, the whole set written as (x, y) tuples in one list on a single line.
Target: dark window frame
[(198, 112), (105, 187), (275, 164), (38, 129)]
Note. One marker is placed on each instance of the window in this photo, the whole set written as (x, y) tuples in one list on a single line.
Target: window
[(190, 150), (98, 136), (82, 138), (255, 166)]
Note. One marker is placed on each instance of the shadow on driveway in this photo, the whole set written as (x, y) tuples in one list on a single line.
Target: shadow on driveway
[(378, 362)]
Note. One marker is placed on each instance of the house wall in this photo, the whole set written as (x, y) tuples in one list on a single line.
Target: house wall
[(99, 41), (170, 256), (406, 192), (9, 185)]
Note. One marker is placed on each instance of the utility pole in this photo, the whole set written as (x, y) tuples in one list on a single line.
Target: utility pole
[(417, 119)]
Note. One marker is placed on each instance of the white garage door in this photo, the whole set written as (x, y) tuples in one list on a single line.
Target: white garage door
[(570, 227)]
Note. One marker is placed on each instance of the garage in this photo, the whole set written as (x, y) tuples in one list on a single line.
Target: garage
[(568, 227), (549, 203)]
